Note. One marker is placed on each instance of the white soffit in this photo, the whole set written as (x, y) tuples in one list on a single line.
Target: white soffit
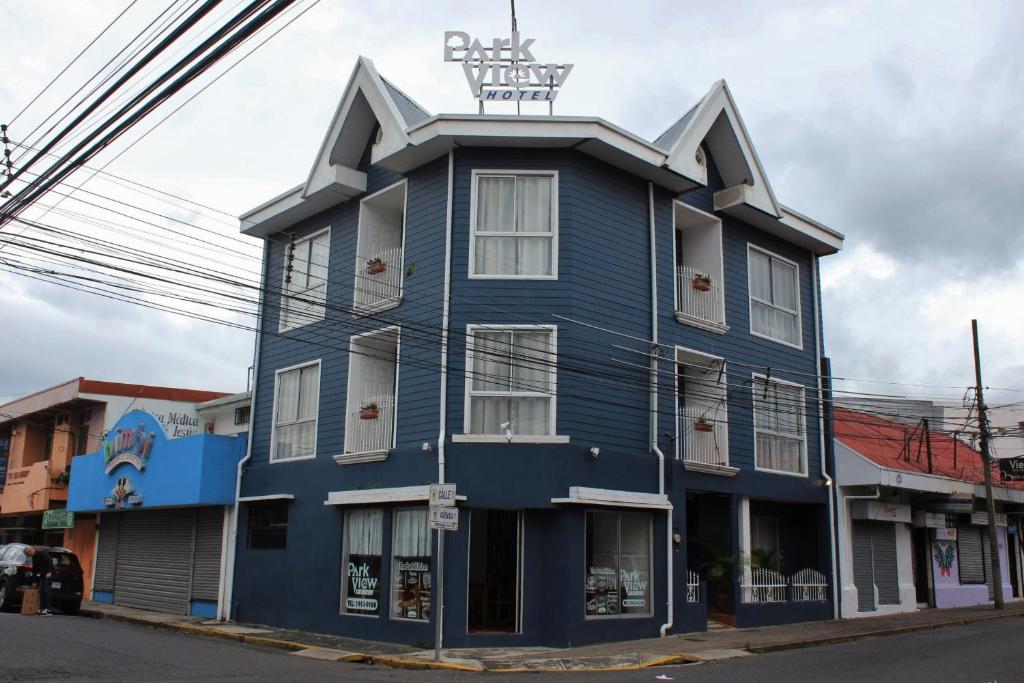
[(401, 494), (582, 495)]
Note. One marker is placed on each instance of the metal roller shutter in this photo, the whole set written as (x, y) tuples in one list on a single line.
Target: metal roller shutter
[(106, 553), (863, 573), (883, 546), (969, 554), (154, 560), (206, 567), (986, 559)]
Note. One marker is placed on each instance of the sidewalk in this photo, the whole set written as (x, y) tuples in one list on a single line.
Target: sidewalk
[(636, 654)]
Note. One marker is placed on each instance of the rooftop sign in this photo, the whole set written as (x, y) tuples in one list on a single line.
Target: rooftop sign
[(505, 70)]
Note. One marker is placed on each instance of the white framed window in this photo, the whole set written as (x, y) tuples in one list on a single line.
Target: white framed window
[(304, 288), (510, 387), (514, 225), (780, 434), (618, 564), (363, 544), (296, 409), (774, 297), (410, 565)]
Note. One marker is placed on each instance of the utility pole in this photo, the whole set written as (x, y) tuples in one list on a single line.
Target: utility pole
[(990, 503)]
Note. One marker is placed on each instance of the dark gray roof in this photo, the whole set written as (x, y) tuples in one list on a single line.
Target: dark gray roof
[(412, 112), (667, 140)]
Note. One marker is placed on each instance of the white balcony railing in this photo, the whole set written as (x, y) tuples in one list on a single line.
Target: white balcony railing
[(808, 585), (702, 304), (702, 435), (369, 432), (378, 279), (692, 586), (766, 585)]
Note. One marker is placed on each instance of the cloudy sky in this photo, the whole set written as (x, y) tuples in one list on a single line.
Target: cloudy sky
[(895, 123)]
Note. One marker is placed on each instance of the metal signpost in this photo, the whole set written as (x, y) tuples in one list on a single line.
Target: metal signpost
[(444, 516)]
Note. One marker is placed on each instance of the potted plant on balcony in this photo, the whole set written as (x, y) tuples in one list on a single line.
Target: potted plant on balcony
[(701, 424), (701, 282), (375, 265), (369, 411)]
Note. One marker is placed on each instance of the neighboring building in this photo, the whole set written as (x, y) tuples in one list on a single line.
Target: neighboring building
[(227, 415), (466, 298), (912, 526)]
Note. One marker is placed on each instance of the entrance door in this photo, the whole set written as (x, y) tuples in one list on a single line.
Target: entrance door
[(495, 541), (922, 563)]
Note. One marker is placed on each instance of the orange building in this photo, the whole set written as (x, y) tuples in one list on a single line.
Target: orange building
[(39, 435)]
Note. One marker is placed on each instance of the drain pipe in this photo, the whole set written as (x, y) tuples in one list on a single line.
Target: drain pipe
[(821, 438), (227, 590), (654, 411)]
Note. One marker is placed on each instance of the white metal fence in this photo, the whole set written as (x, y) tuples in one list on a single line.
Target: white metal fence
[(807, 585), (368, 434), (378, 282), (692, 586), (706, 305), (703, 436), (769, 586)]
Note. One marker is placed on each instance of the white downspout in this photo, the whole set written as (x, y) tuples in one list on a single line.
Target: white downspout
[(227, 583), (821, 438), (669, 579)]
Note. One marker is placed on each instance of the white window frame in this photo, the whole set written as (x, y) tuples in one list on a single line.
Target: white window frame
[(467, 436), (520, 565), (350, 400), (473, 201), (751, 298), (344, 565), (757, 385), (281, 326), (367, 310), (618, 560), (679, 404), (434, 570), (273, 415)]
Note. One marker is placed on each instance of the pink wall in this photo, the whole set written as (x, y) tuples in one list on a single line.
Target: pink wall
[(948, 590)]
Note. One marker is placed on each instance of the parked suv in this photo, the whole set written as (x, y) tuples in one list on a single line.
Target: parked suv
[(16, 575)]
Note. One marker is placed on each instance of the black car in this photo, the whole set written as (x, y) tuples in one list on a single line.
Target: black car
[(16, 575)]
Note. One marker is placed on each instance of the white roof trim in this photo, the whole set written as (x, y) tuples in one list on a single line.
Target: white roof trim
[(583, 495), (401, 494), (272, 496)]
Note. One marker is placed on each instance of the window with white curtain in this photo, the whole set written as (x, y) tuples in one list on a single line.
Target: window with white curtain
[(362, 562), (410, 565), (780, 436), (304, 293), (296, 404), (774, 297), (515, 230), (511, 381)]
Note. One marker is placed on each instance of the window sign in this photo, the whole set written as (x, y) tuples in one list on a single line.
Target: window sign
[(363, 530), (410, 563), (618, 578)]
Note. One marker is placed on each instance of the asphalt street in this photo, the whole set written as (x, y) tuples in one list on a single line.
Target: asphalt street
[(83, 649)]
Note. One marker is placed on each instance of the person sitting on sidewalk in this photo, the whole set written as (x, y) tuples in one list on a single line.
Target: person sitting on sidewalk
[(42, 567)]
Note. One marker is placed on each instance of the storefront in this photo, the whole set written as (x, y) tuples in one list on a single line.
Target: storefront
[(163, 507)]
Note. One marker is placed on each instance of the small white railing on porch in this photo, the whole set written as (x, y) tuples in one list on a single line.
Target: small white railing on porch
[(706, 305), (702, 434), (371, 434), (692, 586), (807, 585), (766, 585), (374, 289)]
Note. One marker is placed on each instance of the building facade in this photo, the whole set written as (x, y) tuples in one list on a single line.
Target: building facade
[(610, 345)]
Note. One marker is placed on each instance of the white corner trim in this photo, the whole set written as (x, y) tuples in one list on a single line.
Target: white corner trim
[(583, 495), (272, 496), (401, 494)]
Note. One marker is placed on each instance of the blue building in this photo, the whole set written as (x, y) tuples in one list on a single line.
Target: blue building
[(610, 345)]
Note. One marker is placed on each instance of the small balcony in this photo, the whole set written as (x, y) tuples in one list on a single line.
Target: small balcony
[(370, 427), (378, 280), (700, 298), (703, 438)]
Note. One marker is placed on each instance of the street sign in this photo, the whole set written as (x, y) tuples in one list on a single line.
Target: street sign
[(444, 518), (58, 519), (442, 495)]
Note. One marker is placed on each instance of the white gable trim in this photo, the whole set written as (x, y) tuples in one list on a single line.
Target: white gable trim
[(731, 147)]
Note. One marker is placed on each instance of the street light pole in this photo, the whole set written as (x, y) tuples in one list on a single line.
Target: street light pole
[(990, 503)]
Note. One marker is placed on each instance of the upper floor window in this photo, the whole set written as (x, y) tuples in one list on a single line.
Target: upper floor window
[(774, 297), (780, 436), (304, 293), (296, 407), (515, 225), (511, 383)]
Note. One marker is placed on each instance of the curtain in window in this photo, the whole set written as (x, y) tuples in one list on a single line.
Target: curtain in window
[(287, 396), (496, 204), (363, 561), (760, 276), (779, 422), (412, 537), (491, 367), (511, 362), (513, 205), (363, 529), (411, 579), (774, 295), (298, 394), (305, 292)]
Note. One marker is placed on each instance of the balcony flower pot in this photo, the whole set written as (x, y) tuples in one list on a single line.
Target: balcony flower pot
[(369, 411), (702, 425), (375, 266), (701, 282)]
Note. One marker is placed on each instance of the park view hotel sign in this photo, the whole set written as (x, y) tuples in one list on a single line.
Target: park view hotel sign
[(504, 70)]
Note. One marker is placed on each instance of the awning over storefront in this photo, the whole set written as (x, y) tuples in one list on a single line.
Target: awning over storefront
[(400, 494), (583, 495)]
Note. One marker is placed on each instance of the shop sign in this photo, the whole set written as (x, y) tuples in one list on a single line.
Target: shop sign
[(602, 591), (444, 518), (635, 585), (442, 495), (363, 584), (945, 534), (128, 445), (58, 519), (885, 512), (1012, 469), (505, 69), (952, 503), (123, 495)]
